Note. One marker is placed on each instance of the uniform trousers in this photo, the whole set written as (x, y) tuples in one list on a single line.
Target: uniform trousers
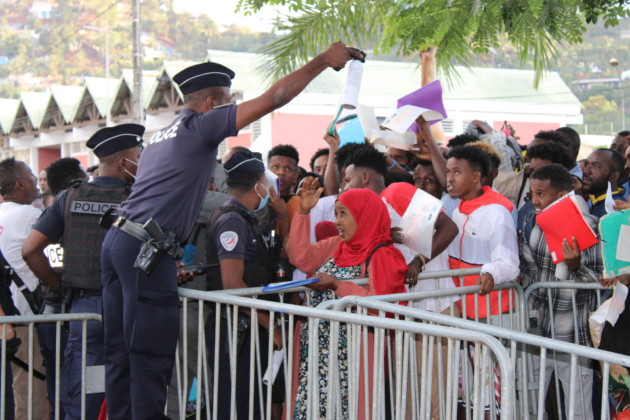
[(95, 356), (141, 320), (47, 333)]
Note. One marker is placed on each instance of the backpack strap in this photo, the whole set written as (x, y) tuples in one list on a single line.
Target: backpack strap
[(367, 261)]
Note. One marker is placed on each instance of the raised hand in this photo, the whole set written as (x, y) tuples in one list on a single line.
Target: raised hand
[(309, 195)]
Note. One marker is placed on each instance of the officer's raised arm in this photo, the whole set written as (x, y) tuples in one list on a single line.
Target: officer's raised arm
[(287, 88)]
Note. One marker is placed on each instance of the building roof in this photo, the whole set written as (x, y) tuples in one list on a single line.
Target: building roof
[(493, 88)]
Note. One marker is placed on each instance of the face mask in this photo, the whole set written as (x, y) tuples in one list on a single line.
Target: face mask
[(129, 173), (263, 201)]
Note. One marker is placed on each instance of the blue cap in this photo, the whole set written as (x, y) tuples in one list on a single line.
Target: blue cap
[(110, 140), (204, 75), (242, 164)]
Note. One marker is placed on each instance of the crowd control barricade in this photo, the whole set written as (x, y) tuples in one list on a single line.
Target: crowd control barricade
[(545, 295), (92, 381), (356, 388), (542, 347), (512, 318)]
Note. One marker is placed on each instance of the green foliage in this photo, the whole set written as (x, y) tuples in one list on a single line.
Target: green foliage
[(461, 29)]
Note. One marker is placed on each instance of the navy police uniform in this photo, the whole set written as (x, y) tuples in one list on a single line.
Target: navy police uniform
[(73, 219), (142, 311), (235, 234)]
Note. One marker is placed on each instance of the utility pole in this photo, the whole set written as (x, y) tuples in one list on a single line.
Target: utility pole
[(137, 106)]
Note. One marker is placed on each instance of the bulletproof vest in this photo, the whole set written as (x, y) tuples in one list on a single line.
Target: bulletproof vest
[(83, 236), (258, 272)]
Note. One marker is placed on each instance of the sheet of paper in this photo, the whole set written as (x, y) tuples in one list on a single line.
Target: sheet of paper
[(428, 96), (418, 222), (350, 97), (272, 371), (623, 244), (351, 132), (609, 202), (367, 118), (404, 116), (273, 180), (393, 139)]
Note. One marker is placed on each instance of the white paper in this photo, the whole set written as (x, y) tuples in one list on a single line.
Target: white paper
[(393, 139), (609, 202), (376, 136), (612, 308), (406, 115), (350, 97), (278, 357), (418, 222), (623, 244), (273, 181)]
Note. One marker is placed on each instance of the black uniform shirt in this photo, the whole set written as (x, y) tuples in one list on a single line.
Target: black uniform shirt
[(52, 222), (233, 236), (175, 169)]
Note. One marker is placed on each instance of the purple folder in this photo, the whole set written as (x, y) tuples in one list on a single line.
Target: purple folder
[(429, 97)]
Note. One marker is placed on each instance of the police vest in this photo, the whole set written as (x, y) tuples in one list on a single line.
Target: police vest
[(83, 236), (258, 272)]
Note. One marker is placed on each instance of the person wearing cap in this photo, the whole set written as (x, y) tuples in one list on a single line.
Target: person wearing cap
[(245, 259), (141, 311), (73, 220)]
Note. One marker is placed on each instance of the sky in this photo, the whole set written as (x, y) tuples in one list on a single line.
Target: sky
[(222, 12)]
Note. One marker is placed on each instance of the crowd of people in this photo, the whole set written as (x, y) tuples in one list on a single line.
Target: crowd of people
[(111, 238)]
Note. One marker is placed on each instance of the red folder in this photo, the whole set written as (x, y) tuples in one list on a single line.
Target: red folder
[(563, 220)]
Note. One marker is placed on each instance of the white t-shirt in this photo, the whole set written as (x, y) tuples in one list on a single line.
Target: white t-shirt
[(16, 221)]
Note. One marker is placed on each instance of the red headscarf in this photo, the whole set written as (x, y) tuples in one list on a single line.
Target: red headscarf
[(387, 264)]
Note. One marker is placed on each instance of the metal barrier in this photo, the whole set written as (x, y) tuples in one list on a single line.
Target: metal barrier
[(542, 321), (366, 340), (31, 321), (542, 345)]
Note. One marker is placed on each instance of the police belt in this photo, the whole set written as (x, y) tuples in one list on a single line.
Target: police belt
[(131, 228)]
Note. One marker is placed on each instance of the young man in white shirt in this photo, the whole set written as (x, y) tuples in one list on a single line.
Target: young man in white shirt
[(18, 187)]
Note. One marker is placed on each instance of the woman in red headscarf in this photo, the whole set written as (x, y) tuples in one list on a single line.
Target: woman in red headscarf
[(363, 248)]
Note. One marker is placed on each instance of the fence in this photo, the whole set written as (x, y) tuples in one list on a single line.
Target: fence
[(540, 346), (483, 363), (365, 340), (31, 322)]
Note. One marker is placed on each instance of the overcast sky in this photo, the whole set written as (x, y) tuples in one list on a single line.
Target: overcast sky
[(222, 12)]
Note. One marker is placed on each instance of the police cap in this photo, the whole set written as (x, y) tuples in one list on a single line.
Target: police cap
[(242, 164), (203, 75), (110, 140)]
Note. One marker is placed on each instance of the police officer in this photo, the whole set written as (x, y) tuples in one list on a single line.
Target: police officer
[(246, 260), (141, 304), (74, 220)]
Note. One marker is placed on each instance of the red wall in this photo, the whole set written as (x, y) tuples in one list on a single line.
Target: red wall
[(47, 155), (304, 132), (527, 130)]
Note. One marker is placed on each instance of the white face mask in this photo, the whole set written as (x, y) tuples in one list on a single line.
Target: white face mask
[(129, 173)]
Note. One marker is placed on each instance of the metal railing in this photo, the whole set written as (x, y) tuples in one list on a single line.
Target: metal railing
[(31, 321)]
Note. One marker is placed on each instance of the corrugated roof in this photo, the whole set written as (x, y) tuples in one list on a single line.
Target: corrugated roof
[(37, 106), (149, 81), (380, 79), (393, 78), (68, 99), (8, 112), (98, 88)]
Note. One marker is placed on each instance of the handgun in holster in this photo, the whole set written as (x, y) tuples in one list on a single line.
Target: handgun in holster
[(154, 249)]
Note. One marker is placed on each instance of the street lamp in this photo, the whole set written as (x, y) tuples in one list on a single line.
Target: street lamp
[(108, 117), (615, 64)]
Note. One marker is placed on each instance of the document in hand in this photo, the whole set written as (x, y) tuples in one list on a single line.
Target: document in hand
[(274, 287), (375, 135), (615, 231), (428, 97), (563, 220), (418, 222), (351, 132)]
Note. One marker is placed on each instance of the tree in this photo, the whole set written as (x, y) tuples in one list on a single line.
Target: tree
[(461, 29)]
